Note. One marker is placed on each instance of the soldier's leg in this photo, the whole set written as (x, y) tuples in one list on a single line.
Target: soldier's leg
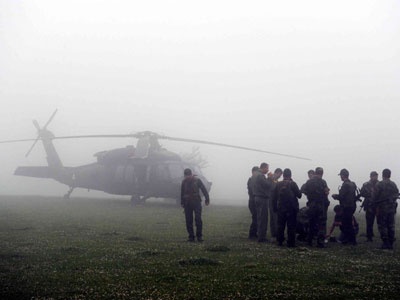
[(253, 225), (273, 219), (321, 225), (347, 223), (262, 218), (189, 221), (382, 220), (280, 237), (291, 228), (198, 221), (369, 218), (325, 216), (391, 229), (312, 225)]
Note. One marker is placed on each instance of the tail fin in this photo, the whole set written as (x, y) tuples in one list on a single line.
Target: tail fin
[(46, 136)]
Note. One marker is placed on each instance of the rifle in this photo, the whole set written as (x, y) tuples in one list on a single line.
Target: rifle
[(358, 198), (362, 205)]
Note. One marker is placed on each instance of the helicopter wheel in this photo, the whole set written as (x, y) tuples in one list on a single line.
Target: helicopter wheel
[(66, 196)]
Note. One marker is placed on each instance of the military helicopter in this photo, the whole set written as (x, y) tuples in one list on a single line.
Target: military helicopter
[(145, 171)]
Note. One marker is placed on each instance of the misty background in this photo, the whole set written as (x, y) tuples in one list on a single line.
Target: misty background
[(318, 79)]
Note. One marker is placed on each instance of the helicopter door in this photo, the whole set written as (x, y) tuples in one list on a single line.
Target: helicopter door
[(130, 177), (161, 180), (141, 172)]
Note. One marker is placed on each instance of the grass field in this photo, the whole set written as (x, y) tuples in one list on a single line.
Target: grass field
[(105, 249)]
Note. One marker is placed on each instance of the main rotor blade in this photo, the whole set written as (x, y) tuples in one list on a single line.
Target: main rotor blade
[(140, 134), (16, 141), (229, 146), (131, 135)]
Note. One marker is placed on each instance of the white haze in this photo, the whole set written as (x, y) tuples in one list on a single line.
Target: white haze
[(318, 79)]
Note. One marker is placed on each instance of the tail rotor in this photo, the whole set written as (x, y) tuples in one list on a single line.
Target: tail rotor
[(40, 132)]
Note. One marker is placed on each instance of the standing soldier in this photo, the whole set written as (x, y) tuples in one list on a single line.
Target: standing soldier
[(252, 205), (310, 175), (385, 203), (273, 217), (286, 204), (368, 191), (262, 192), (191, 202), (316, 190), (347, 200)]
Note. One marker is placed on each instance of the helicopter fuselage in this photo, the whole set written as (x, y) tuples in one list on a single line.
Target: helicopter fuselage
[(137, 177)]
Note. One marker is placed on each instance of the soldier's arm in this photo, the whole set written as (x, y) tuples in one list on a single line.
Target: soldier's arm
[(377, 195), (331, 229), (248, 187), (182, 194), (326, 188), (364, 191), (275, 198), (204, 191), (396, 189), (296, 190), (266, 183), (343, 191)]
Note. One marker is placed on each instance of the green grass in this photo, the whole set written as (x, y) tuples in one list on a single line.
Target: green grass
[(105, 249)]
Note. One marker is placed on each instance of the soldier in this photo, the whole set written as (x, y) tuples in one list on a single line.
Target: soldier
[(273, 217), (302, 224), (252, 205), (347, 200), (262, 192), (368, 191), (385, 203), (286, 204), (316, 190), (191, 202), (310, 175)]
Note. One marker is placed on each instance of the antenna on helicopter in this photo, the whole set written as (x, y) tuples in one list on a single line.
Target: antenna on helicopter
[(40, 131)]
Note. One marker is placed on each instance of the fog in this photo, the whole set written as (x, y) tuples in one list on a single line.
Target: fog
[(318, 79)]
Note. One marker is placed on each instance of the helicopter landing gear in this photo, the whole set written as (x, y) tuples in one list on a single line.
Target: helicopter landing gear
[(66, 196), (136, 200)]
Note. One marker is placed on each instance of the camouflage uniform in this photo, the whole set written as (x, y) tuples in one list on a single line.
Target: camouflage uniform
[(252, 208), (347, 201), (385, 204), (191, 202), (273, 216), (261, 189), (368, 191), (287, 210), (302, 226), (315, 190)]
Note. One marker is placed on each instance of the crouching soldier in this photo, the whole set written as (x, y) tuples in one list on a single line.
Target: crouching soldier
[(302, 226), (286, 204)]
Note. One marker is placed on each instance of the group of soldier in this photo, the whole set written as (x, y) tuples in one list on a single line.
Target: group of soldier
[(277, 202)]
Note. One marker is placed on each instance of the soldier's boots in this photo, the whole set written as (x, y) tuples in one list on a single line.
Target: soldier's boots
[(386, 245)]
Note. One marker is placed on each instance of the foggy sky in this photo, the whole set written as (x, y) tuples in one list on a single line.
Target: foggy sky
[(318, 79)]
